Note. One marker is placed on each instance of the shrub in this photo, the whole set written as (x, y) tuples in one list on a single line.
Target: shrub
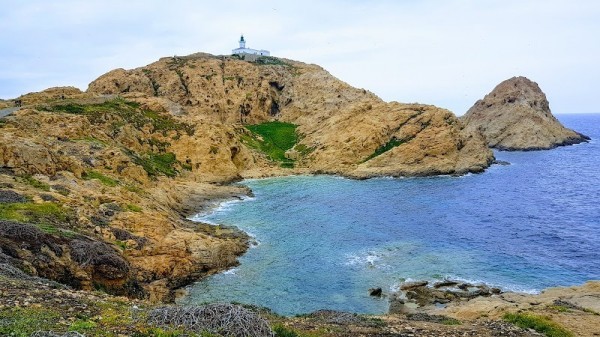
[(219, 318), (157, 163), (82, 325), (134, 208), (271, 61), (538, 323), (282, 331), (29, 180), (101, 177), (392, 143)]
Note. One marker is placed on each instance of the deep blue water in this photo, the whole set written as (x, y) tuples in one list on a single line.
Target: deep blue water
[(324, 241)]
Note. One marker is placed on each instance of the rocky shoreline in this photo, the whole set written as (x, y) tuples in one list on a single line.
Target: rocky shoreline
[(96, 187), (39, 307)]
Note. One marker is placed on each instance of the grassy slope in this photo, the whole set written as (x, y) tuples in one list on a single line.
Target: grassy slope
[(273, 138)]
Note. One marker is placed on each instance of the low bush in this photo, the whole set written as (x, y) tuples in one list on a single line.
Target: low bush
[(538, 323), (392, 143), (107, 181), (157, 163), (219, 318), (31, 181)]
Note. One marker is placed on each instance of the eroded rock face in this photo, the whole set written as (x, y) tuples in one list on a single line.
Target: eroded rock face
[(50, 94), (516, 116), (343, 126), (142, 149)]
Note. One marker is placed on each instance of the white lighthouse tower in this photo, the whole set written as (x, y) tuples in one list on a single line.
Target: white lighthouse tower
[(243, 50)]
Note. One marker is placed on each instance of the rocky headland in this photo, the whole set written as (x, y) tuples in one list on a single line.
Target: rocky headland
[(117, 169), (516, 116), (96, 187)]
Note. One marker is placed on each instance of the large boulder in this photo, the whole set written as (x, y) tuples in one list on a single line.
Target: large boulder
[(516, 116)]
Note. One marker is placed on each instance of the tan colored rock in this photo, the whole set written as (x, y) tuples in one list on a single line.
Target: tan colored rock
[(51, 94), (5, 104), (342, 125), (516, 116), (192, 111), (581, 315)]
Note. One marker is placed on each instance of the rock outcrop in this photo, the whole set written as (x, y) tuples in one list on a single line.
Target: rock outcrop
[(5, 104), (349, 131), (516, 116), (116, 170)]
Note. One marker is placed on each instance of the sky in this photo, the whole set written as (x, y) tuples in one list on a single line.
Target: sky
[(447, 53)]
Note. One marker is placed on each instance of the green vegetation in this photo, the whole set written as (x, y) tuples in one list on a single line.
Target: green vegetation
[(22, 322), (451, 321), (559, 308), (82, 326), (273, 138), (29, 180), (121, 244), (44, 215), (157, 163), (303, 149), (126, 112), (134, 208), (270, 61), (392, 143), (107, 181), (134, 189), (160, 145), (91, 140), (282, 331), (538, 323)]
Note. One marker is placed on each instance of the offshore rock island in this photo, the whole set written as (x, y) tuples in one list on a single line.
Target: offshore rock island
[(516, 116), (96, 186)]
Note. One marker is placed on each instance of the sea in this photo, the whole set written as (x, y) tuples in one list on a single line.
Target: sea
[(321, 242)]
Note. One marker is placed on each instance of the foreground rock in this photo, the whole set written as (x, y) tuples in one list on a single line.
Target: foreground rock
[(31, 304), (576, 309), (417, 296), (516, 116)]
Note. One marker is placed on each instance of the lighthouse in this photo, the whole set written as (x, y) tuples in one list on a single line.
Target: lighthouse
[(242, 50)]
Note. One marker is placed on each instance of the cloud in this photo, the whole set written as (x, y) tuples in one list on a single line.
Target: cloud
[(448, 53)]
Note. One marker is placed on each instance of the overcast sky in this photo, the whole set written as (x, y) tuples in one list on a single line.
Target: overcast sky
[(448, 53)]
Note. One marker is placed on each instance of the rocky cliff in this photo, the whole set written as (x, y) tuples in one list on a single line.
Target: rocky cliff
[(342, 129), (516, 116), (91, 198), (95, 186)]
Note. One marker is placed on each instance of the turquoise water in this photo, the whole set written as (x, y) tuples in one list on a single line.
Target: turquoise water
[(323, 241)]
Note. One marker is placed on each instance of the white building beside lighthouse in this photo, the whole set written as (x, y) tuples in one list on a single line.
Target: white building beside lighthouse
[(243, 50)]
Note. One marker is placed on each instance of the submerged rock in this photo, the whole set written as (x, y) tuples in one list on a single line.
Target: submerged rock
[(419, 295), (376, 292), (516, 116)]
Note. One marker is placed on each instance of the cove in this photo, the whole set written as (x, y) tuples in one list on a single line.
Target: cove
[(323, 241)]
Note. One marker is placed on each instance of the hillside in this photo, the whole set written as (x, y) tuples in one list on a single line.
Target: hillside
[(96, 186), (342, 130)]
